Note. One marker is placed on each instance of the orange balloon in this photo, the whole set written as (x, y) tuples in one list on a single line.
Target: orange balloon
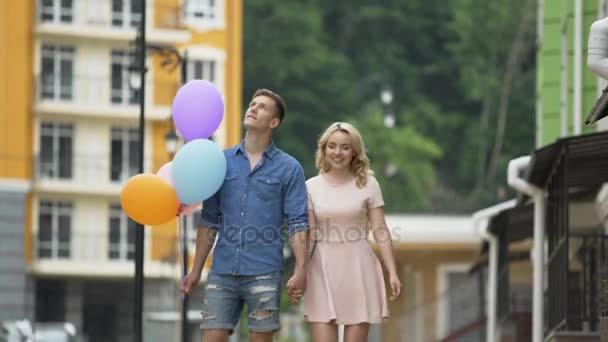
[(148, 199)]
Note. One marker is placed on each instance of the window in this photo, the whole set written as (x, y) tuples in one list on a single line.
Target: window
[(121, 93), (57, 72), (54, 229), (126, 13), (124, 153), (56, 151), (201, 9), (121, 234), (202, 70), (56, 10)]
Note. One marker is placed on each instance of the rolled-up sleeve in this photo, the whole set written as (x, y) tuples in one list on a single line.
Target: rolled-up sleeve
[(295, 200), (211, 214)]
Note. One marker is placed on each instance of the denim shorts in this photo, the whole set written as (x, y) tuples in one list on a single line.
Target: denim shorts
[(225, 296)]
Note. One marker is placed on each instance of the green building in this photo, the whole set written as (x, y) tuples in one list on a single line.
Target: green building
[(566, 88)]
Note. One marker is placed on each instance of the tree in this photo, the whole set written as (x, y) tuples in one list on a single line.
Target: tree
[(446, 62)]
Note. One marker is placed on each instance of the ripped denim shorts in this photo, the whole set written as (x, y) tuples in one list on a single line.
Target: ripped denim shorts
[(225, 296)]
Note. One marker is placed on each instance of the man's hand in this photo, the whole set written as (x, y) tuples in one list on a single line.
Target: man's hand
[(189, 282), (296, 286)]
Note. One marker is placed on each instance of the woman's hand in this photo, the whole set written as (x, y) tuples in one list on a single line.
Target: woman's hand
[(395, 286)]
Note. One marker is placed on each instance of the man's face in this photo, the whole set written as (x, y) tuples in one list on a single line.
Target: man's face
[(261, 114)]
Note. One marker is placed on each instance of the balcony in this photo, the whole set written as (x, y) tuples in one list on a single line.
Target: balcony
[(100, 96), (98, 20), (85, 172), (80, 252)]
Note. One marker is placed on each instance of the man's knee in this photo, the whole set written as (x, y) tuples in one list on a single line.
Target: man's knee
[(215, 335), (260, 336)]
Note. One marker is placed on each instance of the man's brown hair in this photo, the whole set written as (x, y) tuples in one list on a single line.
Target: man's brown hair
[(278, 101)]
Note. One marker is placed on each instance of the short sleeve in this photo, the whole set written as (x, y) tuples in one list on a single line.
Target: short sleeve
[(374, 199), (309, 205)]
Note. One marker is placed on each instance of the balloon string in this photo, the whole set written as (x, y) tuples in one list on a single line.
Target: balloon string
[(180, 236), (180, 227)]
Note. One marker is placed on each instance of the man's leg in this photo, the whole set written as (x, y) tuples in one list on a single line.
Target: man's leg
[(262, 294), (260, 337), (216, 335), (222, 306)]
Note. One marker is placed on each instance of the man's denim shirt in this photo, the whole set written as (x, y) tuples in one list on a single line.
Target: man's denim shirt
[(249, 210)]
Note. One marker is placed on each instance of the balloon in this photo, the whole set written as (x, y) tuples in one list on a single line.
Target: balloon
[(198, 109), (165, 173), (189, 209), (147, 199), (199, 168)]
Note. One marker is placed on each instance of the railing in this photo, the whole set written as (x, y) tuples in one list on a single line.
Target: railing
[(85, 168), (87, 90), (101, 14), (575, 274), (70, 244), (584, 301)]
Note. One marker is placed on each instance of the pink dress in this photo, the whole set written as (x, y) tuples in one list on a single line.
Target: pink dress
[(345, 284)]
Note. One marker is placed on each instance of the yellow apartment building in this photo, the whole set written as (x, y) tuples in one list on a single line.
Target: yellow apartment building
[(69, 139)]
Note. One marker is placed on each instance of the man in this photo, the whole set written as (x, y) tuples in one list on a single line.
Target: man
[(263, 186)]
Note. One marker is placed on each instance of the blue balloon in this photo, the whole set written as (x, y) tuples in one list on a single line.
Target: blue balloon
[(198, 170)]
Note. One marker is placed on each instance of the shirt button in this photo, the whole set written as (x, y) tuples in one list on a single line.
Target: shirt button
[(242, 214)]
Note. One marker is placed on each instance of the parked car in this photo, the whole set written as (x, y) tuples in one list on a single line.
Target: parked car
[(22, 331)]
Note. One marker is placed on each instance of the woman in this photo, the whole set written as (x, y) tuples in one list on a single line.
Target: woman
[(345, 283)]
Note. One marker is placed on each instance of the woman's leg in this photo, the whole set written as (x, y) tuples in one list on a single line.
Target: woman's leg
[(356, 332), (324, 332)]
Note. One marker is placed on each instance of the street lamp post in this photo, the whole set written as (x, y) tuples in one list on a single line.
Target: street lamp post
[(386, 95), (138, 299), (138, 71)]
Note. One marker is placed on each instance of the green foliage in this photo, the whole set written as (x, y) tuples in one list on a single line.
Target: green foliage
[(406, 149), (445, 62)]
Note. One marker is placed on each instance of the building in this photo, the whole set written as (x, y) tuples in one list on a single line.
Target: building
[(441, 299), (546, 248), (69, 140)]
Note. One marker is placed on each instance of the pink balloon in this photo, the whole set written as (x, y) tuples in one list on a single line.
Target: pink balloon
[(189, 209), (165, 173)]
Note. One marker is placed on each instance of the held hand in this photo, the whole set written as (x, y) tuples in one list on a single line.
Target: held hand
[(395, 286), (189, 282), (296, 286)]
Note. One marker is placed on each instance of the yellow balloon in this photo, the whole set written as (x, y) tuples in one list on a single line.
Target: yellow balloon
[(148, 199)]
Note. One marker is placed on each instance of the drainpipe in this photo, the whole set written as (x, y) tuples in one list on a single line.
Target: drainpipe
[(578, 66), (564, 77), (479, 217), (539, 79), (538, 196)]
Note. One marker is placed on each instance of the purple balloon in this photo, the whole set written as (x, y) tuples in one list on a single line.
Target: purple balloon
[(198, 109)]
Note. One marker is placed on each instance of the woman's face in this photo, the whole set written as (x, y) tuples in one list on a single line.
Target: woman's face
[(339, 151)]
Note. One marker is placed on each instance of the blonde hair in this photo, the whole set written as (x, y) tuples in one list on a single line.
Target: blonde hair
[(359, 165)]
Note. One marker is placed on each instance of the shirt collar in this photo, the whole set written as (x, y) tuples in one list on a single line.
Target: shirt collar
[(270, 151)]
